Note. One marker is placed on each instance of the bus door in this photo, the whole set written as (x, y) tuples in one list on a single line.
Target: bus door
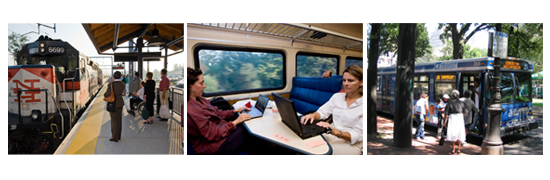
[(467, 82), (479, 119)]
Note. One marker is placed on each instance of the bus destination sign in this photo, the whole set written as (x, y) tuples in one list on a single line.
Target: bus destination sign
[(516, 65)]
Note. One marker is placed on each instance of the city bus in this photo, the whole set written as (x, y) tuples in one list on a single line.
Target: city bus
[(438, 78), (239, 61)]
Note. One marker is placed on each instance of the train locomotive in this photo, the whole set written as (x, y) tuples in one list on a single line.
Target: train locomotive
[(48, 89)]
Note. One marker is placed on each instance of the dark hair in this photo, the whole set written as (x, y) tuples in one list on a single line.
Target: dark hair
[(149, 75), (192, 77), (117, 75), (163, 71), (329, 72), (136, 74), (467, 93), (143, 83), (357, 72)]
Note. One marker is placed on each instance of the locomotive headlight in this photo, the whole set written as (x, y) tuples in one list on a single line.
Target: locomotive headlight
[(36, 115)]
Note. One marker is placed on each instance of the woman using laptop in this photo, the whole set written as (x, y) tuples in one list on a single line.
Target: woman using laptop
[(207, 128), (346, 136)]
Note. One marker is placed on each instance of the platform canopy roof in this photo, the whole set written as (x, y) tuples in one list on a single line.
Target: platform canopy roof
[(111, 35)]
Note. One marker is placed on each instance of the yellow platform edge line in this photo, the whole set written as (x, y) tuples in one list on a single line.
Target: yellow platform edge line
[(85, 140)]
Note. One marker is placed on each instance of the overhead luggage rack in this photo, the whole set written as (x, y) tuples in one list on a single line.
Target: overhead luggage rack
[(295, 31)]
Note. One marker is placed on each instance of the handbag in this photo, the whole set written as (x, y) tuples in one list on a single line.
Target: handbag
[(443, 134), (145, 112), (111, 106), (111, 97)]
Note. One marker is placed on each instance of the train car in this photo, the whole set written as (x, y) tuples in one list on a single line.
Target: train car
[(47, 90), (240, 61), (438, 78)]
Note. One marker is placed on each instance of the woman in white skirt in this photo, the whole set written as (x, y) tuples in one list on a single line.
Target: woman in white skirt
[(454, 121)]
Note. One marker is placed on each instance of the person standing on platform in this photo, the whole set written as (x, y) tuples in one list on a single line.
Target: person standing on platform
[(149, 95), (116, 117), (164, 87), (454, 114)]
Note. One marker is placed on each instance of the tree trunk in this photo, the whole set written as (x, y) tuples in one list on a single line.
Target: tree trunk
[(371, 82), (457, 37), (404, 89)]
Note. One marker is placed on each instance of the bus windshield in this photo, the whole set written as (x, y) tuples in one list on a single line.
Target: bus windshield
[(520, 93), (523, 80)]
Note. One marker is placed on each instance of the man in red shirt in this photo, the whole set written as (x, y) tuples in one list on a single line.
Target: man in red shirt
[(164, 87)]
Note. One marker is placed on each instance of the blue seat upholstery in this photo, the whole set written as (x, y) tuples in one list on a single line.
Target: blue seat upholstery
[(310, 93)]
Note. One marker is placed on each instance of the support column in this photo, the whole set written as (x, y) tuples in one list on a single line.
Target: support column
[(130, 70), (140, 57), (166, 58)]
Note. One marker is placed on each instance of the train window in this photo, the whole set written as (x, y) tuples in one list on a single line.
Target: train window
[(444, 83), (23, 60), (55, 60), (72, 62), (37, 60), (350, 61), (240, 70), (523, 93), (313, 65), (421, 85)]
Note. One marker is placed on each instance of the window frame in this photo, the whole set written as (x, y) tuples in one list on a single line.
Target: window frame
[(196, 59), (418, 81), (529, 87), (454, 83), (303, 53)]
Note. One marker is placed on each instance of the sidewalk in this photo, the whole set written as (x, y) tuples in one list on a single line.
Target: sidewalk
[(427, 146)]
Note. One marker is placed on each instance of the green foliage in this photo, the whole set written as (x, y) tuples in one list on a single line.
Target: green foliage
[(16, 42), (474, 53), (530, 36), (390, 36), (226, 71), (423, 46), (460, 36)]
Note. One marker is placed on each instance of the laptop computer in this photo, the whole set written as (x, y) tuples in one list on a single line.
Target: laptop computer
[(259, 107), (290, 118)]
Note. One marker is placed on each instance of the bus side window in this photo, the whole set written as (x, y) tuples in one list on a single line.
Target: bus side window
[(378, 83), (445, 83), (421, 85)]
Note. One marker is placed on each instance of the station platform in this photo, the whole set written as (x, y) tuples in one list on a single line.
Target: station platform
[(91, 133)]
